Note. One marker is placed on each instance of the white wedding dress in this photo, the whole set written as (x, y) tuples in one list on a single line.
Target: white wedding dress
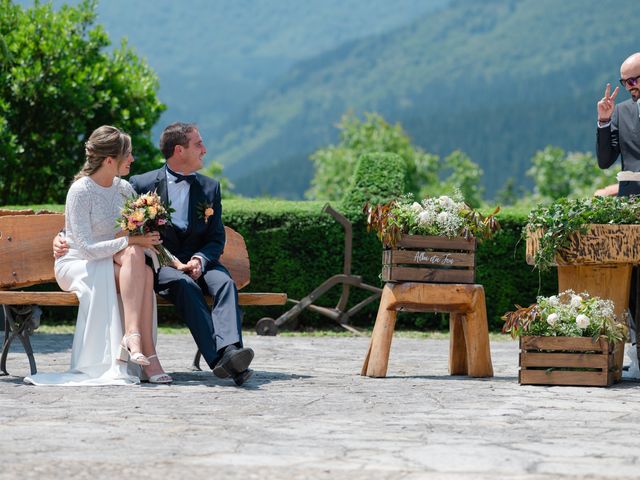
[(87, 270)]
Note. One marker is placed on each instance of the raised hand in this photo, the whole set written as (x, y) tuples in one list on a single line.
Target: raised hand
[(607, 104)]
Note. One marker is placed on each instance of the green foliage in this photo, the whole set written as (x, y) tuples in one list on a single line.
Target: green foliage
[(572, 175), (565, 217), (378, 178), (214, 170), (464, 176), (334, 165), (56, 86)]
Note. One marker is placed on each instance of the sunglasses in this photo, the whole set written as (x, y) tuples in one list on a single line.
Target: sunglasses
[(630, 82)]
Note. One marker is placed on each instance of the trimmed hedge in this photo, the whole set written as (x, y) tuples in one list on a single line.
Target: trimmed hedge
[(294, 247), (378, 178)]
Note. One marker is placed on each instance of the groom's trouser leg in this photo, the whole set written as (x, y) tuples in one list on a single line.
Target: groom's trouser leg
[(182, 291), (226, 315)]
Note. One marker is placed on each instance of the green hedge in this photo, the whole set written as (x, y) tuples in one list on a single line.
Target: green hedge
[(378, 178), (294, 247)]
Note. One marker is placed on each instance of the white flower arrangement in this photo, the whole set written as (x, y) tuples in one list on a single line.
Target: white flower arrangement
[(567, 315), (434, 216)]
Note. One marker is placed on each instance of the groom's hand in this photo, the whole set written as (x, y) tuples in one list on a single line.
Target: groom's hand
[(194, 268)]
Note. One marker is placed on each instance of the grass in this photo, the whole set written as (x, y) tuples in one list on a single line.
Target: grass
[(68, 328)]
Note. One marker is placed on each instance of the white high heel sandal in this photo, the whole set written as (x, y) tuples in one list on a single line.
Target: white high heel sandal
[(125, 353), (158, 378)]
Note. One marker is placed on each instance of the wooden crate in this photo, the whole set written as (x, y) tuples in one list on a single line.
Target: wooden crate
[(569, 361), (419, 258)]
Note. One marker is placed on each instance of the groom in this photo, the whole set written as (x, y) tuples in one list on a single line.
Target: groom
[(196, 237)]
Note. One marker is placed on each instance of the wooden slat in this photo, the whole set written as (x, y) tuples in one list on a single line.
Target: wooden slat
[(26, 256), (577, 360), (70, 299), (5, 211), (424, 257), (423, 241), (564, 343), (407, 274), (601, 244), (560, 377)]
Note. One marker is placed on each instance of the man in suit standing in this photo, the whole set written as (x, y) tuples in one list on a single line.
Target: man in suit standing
[(196, 237), (618, 135), (618, 132)]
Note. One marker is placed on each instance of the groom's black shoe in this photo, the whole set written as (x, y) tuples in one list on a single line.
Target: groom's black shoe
[(234, 362), (242, 377)]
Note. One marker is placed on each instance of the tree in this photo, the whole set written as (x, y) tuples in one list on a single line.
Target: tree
[(214, 170), (557, 174), (57, 85), (334, 165), (464, 175)]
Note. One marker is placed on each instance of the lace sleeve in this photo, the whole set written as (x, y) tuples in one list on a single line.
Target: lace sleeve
[(79, 222)]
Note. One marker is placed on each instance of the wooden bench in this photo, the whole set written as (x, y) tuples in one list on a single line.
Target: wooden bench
[(26, 259)]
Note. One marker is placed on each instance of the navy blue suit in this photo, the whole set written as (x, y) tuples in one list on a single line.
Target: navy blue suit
[(215, 329)]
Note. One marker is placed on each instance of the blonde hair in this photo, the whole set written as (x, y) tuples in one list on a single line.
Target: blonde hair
[(105, 141)]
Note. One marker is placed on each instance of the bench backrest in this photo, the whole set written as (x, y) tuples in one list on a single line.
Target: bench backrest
[(26, 257)]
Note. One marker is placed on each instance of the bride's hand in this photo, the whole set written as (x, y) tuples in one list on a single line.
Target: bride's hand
[(148, 240)]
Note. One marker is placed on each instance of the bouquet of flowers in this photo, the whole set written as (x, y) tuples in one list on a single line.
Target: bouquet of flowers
[(566, 315), (439, 216), (144, 214)]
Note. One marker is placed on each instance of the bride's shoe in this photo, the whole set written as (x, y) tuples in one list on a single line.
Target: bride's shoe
[(158, 378), (126, 353)]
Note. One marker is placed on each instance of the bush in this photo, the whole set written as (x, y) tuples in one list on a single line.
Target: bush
[(379, 177), (57, 84)]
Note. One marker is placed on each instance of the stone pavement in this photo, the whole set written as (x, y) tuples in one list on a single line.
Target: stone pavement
[(307, 413)]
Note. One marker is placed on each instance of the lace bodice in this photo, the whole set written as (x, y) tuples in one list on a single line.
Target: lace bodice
[(90, 217)]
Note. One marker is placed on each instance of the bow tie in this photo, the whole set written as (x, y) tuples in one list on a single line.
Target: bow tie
[(179, 177)]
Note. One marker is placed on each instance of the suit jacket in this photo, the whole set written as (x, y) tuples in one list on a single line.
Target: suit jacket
[(621, 138), (205, 238)]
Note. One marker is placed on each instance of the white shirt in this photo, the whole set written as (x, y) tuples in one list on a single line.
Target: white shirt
[(179, 197)]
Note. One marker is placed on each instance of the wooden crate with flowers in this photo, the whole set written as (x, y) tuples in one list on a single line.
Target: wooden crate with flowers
[(433, 241), (429, 266), (568, 339)]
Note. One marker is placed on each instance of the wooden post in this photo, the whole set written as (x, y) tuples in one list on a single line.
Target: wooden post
[(377, 359), (476, 333), (457, 345), (611, 281)]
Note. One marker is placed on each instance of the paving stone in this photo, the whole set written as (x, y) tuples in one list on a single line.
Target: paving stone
[(307, 413)]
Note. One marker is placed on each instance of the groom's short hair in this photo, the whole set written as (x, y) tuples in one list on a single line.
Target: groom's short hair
[(175, 134)]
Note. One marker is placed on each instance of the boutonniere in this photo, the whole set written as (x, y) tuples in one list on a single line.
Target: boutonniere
[(205, 211)]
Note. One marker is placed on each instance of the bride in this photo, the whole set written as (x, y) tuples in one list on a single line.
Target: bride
[(108, 273)]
